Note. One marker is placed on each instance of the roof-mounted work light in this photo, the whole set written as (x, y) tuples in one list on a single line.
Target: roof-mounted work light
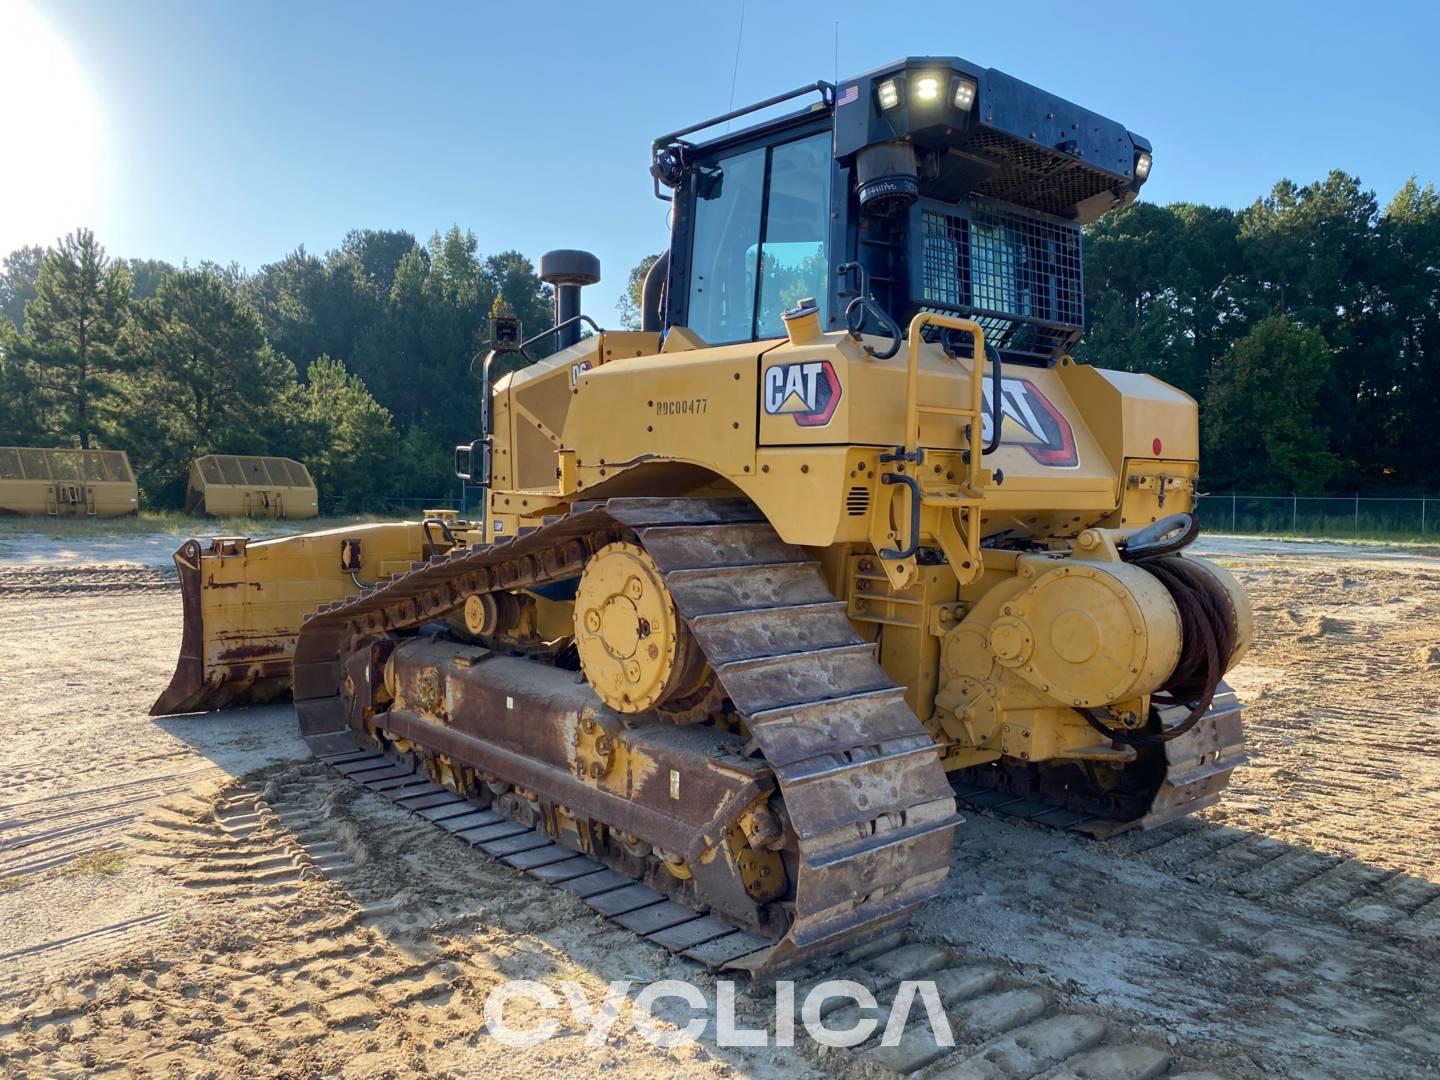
[(962, 93), (927, 86)]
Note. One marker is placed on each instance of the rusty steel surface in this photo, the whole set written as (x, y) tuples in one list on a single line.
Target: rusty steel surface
[(244, 602), (1199, 763), (867, 799), (186, 691), (525, 721), (518, 718), (874, 817), (243, 675), (643, 911)]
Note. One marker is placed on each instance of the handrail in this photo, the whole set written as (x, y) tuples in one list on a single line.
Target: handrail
[(863, 305), (913, 408), (958, 531), (672, 146), (556, 329), (825, 89)]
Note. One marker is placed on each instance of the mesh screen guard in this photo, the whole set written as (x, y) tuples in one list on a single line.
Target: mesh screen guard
[(1016, 274)]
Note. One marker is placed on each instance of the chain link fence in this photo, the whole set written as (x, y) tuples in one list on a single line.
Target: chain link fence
[(468, 502), (1263, 515), (1319, 515), (385, 505)]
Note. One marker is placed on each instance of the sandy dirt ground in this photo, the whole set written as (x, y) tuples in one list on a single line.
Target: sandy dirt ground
[(191, 897)]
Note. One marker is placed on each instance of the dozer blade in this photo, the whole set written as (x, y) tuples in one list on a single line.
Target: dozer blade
[(214, 670), (244, 603)]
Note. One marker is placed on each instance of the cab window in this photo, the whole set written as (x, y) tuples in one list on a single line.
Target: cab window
[(727, 225), (761, 231)]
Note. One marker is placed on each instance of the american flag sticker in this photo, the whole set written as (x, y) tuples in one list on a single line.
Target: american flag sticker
[(849, 94)]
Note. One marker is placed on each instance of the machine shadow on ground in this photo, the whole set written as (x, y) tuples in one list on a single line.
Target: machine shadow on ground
[(1248, 951)]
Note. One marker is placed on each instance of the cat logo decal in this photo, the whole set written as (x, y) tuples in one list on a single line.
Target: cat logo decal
[(808, 390)]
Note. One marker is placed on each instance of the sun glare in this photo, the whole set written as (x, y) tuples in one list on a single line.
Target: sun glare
[(52, 174)]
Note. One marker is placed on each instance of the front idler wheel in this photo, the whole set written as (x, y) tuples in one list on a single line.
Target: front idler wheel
[(635, 649)]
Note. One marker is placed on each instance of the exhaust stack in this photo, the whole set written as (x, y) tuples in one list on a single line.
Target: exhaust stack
[(568, 271)]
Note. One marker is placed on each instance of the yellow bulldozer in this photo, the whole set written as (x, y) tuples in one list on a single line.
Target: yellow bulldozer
[(757, 592)]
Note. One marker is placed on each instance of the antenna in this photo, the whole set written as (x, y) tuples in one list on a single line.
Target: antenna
[(735, 74), (837, 52)]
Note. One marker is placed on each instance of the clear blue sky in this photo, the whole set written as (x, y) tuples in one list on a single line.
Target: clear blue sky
[(238, 131)]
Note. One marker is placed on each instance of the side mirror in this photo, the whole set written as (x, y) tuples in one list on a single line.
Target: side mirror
[(472, 462)]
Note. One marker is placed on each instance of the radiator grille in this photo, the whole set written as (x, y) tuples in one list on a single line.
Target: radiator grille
[(1034, 177), (1018, 276)]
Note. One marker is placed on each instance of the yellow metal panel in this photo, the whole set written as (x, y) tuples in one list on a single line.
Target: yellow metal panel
[(1056, 478), (802, 492), (527, 402), (230, 485), (1151, 489), (66, 482), (751, 414), (502, 463), (585, 354), (536, 461), (682, 339), (871, 405), (624, 344), (798, 383), (689, 407), (909, 650), (871, 411), (537, 403), (254, 600), (1132, 412)]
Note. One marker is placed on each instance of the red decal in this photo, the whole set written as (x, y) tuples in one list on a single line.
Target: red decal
[(1033, 411)]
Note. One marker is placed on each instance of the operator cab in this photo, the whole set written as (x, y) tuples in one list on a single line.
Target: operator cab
[(927, 184)]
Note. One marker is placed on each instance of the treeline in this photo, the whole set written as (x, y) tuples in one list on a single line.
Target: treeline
[(356, 362), (1307, 325)]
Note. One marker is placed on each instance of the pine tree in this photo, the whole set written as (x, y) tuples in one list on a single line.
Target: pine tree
[(72, 326), (18, 272)]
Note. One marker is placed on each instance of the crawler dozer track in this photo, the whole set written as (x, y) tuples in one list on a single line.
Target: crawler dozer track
[(1184, 775), (868, 812)]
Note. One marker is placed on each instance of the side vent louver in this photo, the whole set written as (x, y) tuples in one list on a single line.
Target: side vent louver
[(857, 502)]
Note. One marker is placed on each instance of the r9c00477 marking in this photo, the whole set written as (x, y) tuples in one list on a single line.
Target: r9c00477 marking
[(682, 407)]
